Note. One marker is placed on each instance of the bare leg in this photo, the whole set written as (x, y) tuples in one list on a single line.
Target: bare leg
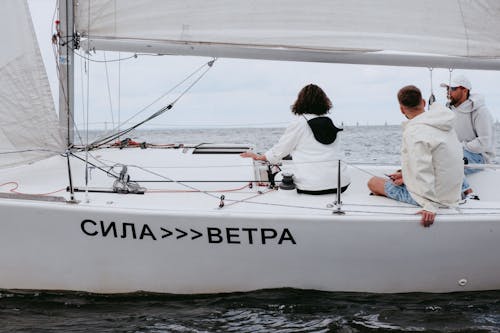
[(376, 185)]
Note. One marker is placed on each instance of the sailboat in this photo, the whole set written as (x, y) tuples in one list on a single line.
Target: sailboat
[(112, 219)]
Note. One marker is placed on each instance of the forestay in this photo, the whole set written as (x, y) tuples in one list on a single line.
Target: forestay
[(28, 123), (464, 31)]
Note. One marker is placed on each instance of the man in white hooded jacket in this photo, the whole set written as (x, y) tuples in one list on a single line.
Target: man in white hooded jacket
[(474, 123), (474, 126), (431, 158)]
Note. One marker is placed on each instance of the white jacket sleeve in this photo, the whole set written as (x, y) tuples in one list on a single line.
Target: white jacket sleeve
[(482, 123), (287, 142)]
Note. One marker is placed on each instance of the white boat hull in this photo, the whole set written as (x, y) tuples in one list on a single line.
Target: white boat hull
[(60, 246)]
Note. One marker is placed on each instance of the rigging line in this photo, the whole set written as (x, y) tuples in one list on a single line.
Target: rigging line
[(146, 170), (119, 90), (402, 205), (84, 70), (209, 64), (347, 211), (98, 143), (109, 173), (119, 59), (87, 134), (215, 166), (82, 66), (218, 125), (164, 94), (430, 73), (109, 93), (175, 167), (175, 181), (259, 193), (246, 166), (105, 60), (209, 181), (114, 136), (281, 205), (85, 96), (152, 191), (360, 169), (54, 13)]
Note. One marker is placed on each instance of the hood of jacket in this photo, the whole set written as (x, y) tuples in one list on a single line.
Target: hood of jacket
[(437, 116)]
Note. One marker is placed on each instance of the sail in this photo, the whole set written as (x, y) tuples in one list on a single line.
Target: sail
[(316, 30), (28, 122)]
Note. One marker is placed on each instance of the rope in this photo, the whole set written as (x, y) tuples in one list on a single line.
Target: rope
[(16, 186)]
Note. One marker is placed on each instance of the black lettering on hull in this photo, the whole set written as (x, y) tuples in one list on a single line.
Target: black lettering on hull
[(212, 235)]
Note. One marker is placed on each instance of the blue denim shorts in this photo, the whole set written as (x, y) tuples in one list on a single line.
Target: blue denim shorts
[(472, 158), (399, 193)]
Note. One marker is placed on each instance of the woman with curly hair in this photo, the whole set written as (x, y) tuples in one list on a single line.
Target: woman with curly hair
[(312, 140)]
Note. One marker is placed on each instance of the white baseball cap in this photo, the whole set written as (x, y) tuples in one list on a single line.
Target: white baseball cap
[(458, 81)]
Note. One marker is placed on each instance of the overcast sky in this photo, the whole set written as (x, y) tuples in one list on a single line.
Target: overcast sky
[(244, 92)]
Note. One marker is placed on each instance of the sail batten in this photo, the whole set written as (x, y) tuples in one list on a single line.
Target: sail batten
[(466, 29)]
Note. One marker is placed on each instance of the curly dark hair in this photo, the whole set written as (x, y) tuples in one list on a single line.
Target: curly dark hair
[(311, 99)]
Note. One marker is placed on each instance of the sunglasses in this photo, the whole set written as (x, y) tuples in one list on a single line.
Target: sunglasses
[(453, 88)]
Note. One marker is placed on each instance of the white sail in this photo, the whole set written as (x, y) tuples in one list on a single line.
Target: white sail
[(28, 122), (319, 30)]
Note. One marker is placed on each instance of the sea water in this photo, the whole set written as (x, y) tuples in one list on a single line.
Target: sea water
[(277, 310)]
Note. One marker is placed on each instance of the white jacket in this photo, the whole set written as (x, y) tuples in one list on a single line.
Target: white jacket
[(315, 165), (431, 158), (475, 127)]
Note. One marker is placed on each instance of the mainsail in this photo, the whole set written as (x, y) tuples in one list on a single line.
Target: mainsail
[(447, 32), (28, 124)]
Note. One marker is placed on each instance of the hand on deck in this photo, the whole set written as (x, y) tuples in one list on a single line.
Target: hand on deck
[(427, 217)]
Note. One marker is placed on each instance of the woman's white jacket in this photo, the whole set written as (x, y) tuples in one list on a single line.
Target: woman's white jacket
[(315, 165)]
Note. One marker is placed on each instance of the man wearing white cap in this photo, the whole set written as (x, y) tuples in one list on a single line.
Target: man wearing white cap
[(474, 124)]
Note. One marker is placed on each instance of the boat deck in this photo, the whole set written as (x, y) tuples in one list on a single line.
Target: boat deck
[(184, 181)]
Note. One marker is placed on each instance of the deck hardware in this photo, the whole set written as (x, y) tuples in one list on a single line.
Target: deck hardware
[(338, 201), (287, 181), (72, 199), (432, 98), (123, 184), (272, 171)]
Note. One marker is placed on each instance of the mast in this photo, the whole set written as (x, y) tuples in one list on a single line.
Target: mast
[(66, 70)]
